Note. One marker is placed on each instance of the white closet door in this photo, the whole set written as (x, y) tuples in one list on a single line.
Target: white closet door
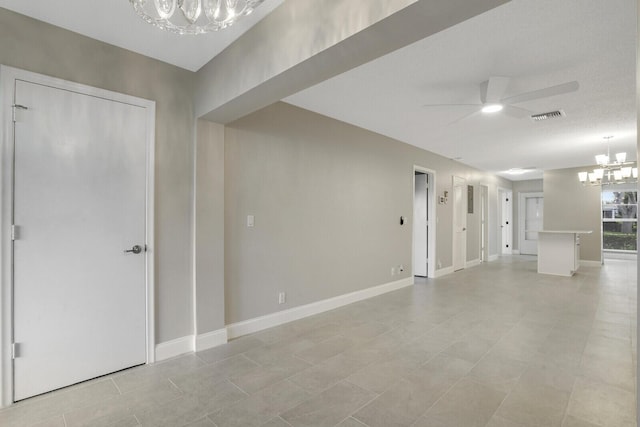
[(459, 224), (80, 185)]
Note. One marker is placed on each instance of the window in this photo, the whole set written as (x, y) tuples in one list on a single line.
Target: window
[(619, 219)]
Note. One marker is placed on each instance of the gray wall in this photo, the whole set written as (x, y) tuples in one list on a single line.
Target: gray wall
[(327, 198), (307, 178), (35, 46), (528, 186), (568, 205), (209, 227)]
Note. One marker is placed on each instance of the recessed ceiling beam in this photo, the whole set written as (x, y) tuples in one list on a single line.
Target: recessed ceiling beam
[(304, 42)]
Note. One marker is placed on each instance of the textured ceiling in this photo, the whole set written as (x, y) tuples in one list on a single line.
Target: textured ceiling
[(537, 44)]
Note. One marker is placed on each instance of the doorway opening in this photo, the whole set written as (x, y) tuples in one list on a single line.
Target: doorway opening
[(423, 222), (530, 210)]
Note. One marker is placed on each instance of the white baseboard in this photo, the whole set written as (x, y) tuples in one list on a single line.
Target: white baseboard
[(473, 263), (588, 263), (173, 348), (444, 271), (515, 252), (270, 320), (210, 339), (189, 343), (493, 257)]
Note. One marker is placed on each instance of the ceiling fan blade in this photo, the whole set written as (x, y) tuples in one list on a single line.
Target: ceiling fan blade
[(517, 112), (543, 93), (491, 91), (466, 116), (452, 105)]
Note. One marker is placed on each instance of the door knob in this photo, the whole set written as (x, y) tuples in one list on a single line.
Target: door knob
[(136, 249)]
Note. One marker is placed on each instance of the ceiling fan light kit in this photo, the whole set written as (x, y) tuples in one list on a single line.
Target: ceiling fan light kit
[(193, 16), (493, 98), (492, 108)]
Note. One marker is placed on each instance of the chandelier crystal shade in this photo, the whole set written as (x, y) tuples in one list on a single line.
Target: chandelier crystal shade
[(193, 16)]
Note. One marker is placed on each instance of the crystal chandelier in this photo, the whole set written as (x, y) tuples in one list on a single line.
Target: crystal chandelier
[(610, 171), (193, 16)]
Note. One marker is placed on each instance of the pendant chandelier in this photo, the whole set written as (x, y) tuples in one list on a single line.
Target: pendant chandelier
[(193, 16), (610, 170)]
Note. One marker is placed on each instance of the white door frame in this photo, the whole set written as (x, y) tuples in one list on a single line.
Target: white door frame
[(459, 181), (484, 223), (431, 212), (502, 250), (8, 77), (522, 215)]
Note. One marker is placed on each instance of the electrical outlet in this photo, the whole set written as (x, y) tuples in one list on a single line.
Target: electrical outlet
[(393, 271), (401, 268), (282, 297)]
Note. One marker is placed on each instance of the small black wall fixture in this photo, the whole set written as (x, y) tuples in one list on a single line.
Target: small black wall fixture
[(402, 220)]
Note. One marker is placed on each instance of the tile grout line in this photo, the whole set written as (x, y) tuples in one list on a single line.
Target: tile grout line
[(453, 385), (481, 359), (116, 386), (238, 387), (283, 420), (352, 415)]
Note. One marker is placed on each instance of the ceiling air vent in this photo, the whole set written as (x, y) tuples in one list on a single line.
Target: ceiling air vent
[(546, 116)]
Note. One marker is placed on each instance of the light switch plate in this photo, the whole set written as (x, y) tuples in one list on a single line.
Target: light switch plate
[(250, 221)]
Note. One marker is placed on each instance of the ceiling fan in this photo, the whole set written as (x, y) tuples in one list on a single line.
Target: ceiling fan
[(492, 98)]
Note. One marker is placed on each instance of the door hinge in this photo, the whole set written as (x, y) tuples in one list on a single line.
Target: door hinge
[(16, 112), (14, 232), (15, 350)]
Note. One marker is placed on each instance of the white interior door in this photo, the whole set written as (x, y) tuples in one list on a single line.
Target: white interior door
[(505, 221), (420, 224), (79, 188), (530, 220), (459, 224)]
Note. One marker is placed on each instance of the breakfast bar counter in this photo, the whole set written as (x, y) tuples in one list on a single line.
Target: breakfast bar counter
[(559, 251)]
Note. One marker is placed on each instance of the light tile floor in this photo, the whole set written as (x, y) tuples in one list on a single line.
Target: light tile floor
[(495, 345)]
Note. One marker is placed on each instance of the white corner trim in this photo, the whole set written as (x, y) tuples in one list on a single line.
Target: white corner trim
[(515, 252), (235, 330), (210, 339), (473, 263), (444, 271), (588, 263), (493, 257), (173, 348)]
